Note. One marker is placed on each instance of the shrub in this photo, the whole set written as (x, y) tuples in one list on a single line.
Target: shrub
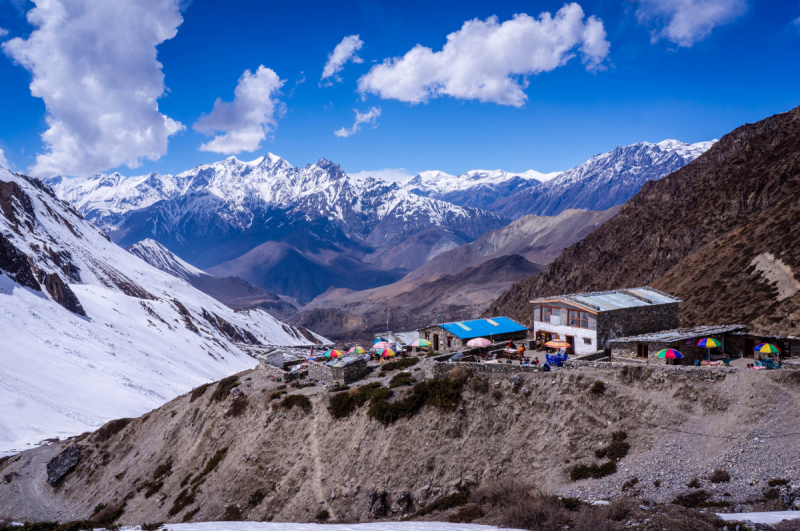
[(188, 516), (153, 526), (497, 394), (274, 395), (301, 401), (691, 500), (223, 388), (572, 504), (772, 494), (401, 378), (442, 504), (212, 464), (777, 482), (183, 500), (657, 483), (298, 385), (444, 394), (630, 484), (719, 476), (694, 484), (582, 471), (197, 392), (238, 406), (466, 514), (614, 451), (598, 388), (256, 498), (108, 515), (110, 429), (342, 404), (322, 515), (339, 388), (231, 514)]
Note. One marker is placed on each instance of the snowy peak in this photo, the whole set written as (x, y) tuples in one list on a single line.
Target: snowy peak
[(160, 257)]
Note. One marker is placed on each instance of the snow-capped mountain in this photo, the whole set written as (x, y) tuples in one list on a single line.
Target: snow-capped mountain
[(92, 333), (476, 188), (604, 181), (217, 212)]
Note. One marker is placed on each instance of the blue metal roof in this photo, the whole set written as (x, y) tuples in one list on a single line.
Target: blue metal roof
[(483, 327)]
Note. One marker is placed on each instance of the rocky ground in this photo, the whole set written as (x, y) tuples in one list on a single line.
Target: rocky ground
[(200, 460)]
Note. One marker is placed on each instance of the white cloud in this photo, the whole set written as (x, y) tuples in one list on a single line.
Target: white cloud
[(344, 51), (796, 22), (248, 119), (686, 22), (93, 62), (369, 117), (3, 32), (386, 174), (489, 61), (3, 161)]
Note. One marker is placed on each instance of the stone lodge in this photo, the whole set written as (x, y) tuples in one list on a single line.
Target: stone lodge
[(588, 321)]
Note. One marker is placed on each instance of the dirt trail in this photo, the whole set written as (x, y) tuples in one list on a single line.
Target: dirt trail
[(678, 426)]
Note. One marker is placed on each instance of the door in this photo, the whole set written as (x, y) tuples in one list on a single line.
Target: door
[(642, 350), (571, 341), (435, 341), (749, 347)]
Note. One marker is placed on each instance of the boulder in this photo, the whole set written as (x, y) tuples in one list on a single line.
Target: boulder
[(60, 465), (404, 501), (377, 503)]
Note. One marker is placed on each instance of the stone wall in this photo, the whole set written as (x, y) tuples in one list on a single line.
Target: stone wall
[(458, 344), (276, 372), (350, 373), (635, 321)]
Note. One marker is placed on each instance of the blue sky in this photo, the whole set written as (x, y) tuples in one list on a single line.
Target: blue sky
[(568, 88)]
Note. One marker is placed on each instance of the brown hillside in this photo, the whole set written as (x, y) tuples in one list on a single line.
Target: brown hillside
[(718, 233)]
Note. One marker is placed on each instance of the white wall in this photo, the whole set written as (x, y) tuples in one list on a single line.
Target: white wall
[(578, 333)]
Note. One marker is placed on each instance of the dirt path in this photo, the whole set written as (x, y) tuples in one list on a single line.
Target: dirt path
[(317, 480)]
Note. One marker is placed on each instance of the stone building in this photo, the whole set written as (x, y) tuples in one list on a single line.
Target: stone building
[(588, 321), (451, 337), (741, 343), (342, 370), (684, 340)]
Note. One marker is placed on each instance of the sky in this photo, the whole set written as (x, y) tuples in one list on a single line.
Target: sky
[(381, 88)]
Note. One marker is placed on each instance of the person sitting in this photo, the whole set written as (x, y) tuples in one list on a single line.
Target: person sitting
[(546, 367), (536, 360)]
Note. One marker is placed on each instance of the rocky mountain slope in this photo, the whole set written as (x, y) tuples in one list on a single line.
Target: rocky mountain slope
[(231, 291), (719, 233), (91, 332), (413, 303), (604, 181), (218, 454), (540, 239)]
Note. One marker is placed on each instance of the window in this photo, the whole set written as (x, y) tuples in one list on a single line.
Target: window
[(547, 312), (578, 319), (587, 340), (449, 341), (642, 350), (427, 335)]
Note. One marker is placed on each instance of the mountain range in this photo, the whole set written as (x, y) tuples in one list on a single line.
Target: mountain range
[(297, 232), (92, 332), (719, 233)]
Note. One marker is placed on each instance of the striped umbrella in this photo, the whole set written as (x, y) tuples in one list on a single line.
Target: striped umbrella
[(669, 353), (421, 343), (767, 348), (356, 350), (708, 342), (557, 344), (386, 353), (332, 354), (381, 345)]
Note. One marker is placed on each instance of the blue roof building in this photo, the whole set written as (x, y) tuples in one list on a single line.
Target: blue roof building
[(453, 336)]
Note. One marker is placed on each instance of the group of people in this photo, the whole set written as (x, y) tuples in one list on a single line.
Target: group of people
[(525, 361)]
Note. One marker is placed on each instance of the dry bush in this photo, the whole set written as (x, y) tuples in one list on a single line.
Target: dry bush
[(591, 518), (300, 401), (777, 482), (223, 388), (238, 406), (694, 483), (466, 514), (480, 385), (110, 429), (598, 388), (719, 476)]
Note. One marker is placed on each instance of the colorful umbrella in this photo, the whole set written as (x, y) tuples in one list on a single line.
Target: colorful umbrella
[(708, 342), (356, 350), (557, 344), (332, 354), (479, 342), (669, 353), (387, 353), (422, 343), (767, 348), (381, 345)]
